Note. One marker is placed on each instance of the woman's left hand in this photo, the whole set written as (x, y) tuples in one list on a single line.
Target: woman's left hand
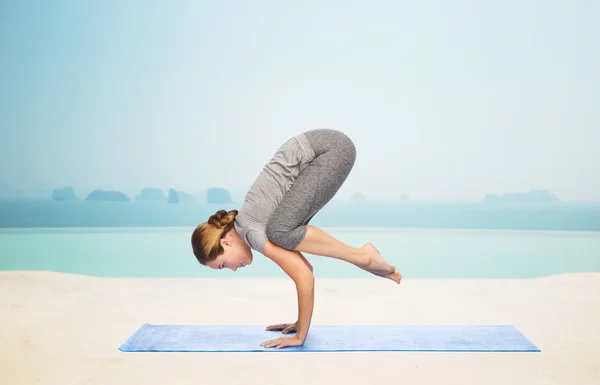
[(282, 342)]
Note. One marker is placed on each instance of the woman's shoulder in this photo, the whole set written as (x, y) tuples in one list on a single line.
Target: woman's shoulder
[(252, 232)]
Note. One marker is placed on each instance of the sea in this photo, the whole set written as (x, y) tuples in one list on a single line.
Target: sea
[(423, 240)]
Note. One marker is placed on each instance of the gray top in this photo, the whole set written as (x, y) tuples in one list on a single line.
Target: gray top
[(268, 189)]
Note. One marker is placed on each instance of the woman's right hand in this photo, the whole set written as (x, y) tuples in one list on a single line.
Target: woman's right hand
[(285, 328)]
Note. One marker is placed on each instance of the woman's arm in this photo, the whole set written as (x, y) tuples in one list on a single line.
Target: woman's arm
[(294, 265)]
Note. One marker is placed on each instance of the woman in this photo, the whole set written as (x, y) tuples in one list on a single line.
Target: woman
[(303, 175)]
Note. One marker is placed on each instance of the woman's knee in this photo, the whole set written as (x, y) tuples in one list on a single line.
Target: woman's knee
[(275, 234), (285, 238), (325, 139), (350, 150), (345, 147), (346, 152)]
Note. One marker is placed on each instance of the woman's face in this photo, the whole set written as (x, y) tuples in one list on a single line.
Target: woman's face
[(236, 253)]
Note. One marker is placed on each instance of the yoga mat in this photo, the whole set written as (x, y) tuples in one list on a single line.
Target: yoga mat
[(330, 338)]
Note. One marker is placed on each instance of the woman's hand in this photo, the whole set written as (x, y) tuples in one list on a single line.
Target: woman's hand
[(285, 328), (282, 342)]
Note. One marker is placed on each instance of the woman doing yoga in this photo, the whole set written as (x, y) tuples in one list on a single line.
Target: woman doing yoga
[(302, 176)]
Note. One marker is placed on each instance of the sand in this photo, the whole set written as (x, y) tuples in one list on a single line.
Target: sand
[(66, 329)]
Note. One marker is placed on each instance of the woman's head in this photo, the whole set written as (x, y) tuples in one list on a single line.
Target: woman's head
[(216, 244)]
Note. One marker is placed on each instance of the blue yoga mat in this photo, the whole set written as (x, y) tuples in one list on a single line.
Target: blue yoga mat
[(330, 338)]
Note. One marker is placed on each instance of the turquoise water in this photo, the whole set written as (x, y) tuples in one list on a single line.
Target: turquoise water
[(521, 216), (417, 253)]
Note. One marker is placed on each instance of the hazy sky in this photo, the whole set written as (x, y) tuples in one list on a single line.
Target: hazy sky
[(443, 99)]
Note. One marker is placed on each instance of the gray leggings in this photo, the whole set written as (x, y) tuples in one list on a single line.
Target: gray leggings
[(313, 188)]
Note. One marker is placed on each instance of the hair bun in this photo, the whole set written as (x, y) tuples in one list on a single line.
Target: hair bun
[(222, 218)]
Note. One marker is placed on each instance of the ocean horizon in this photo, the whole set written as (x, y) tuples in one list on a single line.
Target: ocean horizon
[(464, 215)]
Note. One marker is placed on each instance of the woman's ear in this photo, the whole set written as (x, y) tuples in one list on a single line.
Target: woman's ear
[(225, 241)]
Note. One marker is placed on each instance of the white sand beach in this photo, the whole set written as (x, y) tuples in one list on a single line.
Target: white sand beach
[(66, 329)]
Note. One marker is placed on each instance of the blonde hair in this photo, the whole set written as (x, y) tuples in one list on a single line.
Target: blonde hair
[(206, 237)]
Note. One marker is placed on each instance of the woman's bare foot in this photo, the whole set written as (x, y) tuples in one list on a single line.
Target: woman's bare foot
[(375, 262), (395, 276)]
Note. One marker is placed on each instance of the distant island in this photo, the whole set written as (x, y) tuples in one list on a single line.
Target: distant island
[(221, 195), (104, 195), (533, 196), (218, 195), (64, 194), (147, 194), (185, 197), (358, 197)]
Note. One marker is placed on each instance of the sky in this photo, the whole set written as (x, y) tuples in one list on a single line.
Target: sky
[(443, 100)]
